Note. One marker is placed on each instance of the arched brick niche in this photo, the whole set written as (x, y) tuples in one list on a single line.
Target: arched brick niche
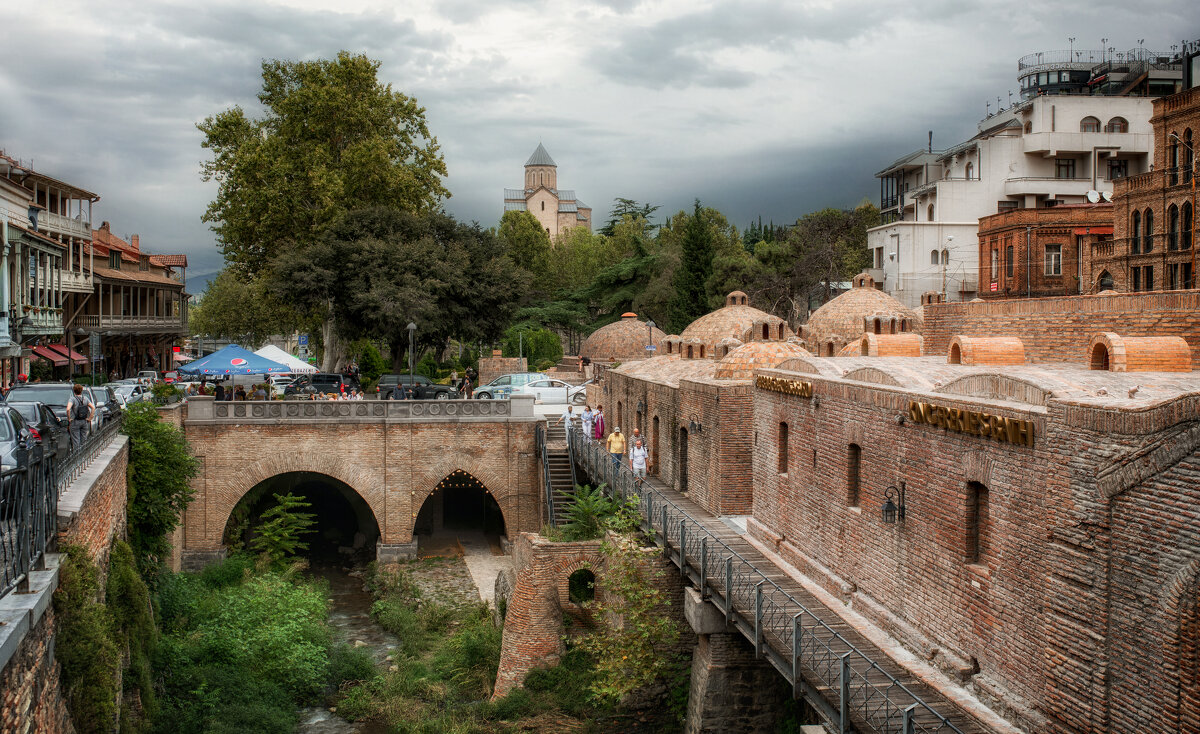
[(891, 345), (1115, 353), (986, 350)]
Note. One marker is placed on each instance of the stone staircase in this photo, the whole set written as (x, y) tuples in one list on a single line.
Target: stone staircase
[(561, 484)]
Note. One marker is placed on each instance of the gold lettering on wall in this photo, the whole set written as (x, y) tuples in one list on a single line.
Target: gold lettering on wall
[(799, 388), (1011, 430)]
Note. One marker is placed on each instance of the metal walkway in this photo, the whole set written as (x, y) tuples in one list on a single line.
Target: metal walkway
[(855, 685)]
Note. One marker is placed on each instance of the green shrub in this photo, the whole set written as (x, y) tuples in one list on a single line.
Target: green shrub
[(282, 527), (84, 646), (348, 663), (135, 632), (538, 344)]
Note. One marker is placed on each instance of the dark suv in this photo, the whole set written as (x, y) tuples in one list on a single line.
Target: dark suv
[(319, 382), (419, 387)]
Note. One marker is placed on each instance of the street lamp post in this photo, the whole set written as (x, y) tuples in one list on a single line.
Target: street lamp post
[(649, 336), (412, 329)]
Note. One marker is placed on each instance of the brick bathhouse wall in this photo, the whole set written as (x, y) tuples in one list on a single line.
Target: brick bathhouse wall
[(1058, 329), (718, 456), (1082, 614), (394, 467)]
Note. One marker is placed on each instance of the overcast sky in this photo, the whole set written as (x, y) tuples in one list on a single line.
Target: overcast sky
[(757, 108)]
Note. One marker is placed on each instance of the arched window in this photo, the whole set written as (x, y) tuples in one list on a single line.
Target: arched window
[(1172, 159), (878, 327), (853, 473), (780, 330), (970, 170), (995, 264), (766, 332), (1008, 261), (1105, 282), (1028, 126), (978, 525), (1117, 125), (1135, 232), (929, 213), (701, 351), (933, 257), (1148, 230), (581, 586), (1089, 124), (1173, 227), (689, 351), (543, 206), (1185, 240), (783, 448)]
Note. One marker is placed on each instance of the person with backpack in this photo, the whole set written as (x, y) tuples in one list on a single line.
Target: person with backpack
[(80, 410)]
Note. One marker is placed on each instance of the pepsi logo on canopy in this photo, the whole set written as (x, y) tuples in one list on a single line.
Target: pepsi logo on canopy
[(237, 361)]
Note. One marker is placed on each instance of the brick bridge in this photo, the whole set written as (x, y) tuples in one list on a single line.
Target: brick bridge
[(387, 458)]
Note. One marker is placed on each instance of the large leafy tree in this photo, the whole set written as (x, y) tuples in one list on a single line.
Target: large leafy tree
[(241, 310), (628, 208), (527, 243), (379, 269)]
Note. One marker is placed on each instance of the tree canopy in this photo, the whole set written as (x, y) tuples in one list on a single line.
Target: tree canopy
[(240, 310)]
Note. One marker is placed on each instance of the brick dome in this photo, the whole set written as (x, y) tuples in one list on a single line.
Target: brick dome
[(622, 340), (737, 319), (740, 363), (861, 309)]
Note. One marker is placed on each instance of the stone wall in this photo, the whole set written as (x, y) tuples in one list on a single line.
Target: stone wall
[(91, 510), (30, 697), (1058, 329)]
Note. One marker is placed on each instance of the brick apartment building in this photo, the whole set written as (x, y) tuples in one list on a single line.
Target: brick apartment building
[(1154, 227), (1045, 252)]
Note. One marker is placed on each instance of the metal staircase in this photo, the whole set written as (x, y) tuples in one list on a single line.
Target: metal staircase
[(559, 471)]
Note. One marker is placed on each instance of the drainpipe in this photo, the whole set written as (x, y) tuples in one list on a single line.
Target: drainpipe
[(1028, 262), (5, 340)]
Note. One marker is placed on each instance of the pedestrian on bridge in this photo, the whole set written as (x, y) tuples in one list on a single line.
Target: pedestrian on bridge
[(80, 411), (616, 445), (567, 419), (638, 458), (586, 420), (399, 393)]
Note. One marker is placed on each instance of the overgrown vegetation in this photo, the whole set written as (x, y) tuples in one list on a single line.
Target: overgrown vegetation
[(243, 644), (591, 514), (284, 524)]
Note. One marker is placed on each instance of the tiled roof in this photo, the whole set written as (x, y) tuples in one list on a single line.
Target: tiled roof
[(514, 194), (567, 206), (566, 194), (514, 206), (540, 158), (146, 277), (740, 363), (581, 205), (172, 261), (735, 319), (843, 316), (622, 340), (669, 369)]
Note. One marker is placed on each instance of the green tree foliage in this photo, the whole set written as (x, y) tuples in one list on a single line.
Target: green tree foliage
[(84, 645), (627, 208), (579, 255), (160, 467), (135, 632), (284, 524), (527, 244), (370, 363), (616, 289), (379, 269), (540, 346), (241, 310), (333, 138), (690, 300)]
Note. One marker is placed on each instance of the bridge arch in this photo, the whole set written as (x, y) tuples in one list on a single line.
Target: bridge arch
[(459, 503), (497, 484)]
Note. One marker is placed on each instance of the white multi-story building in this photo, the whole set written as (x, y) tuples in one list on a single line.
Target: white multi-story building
[(1044, 151)]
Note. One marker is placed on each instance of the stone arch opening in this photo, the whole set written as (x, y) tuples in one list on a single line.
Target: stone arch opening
[(459, 505), (581, 586), (1105, 281), (345, 527), (955, 354), (1100, 359)]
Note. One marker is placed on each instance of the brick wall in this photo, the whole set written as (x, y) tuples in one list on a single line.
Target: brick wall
[(91, 511), (30, 697), (1058, 329), (1082, 232), (492, 367)]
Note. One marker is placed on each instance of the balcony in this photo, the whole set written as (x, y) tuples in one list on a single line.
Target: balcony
[(1046, 185), (113, 322), (1049, 144), (67, 226), (76, 282), (45, 322)]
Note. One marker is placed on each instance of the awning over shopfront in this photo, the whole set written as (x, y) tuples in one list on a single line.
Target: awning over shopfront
[(50, 356), (69, 353)]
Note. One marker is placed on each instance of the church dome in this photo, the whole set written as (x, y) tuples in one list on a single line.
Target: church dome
[(740, 363), (622, 340), (737, 319), (861, 309)]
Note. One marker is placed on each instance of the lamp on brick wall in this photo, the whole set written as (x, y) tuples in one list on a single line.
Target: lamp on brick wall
[(641, 407), (891, 510), (694, 427)]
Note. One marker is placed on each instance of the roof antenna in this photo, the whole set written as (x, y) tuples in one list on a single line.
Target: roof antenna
[(930, 141)]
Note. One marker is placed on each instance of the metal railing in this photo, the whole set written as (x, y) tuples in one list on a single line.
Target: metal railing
[(29, 503), (539, 436), (851, 689)]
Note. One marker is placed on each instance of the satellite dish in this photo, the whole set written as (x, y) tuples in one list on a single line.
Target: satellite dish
[(1107, 195), (1093, 196)]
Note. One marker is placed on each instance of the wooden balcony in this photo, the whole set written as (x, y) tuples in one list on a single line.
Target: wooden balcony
[(112, 322), (68, 226)]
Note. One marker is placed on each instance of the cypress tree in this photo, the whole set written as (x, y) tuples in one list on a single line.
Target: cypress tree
[(695, 268)]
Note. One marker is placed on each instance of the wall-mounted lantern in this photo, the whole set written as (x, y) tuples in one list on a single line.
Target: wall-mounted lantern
[(893, 511), (641, 407), (694, 427)]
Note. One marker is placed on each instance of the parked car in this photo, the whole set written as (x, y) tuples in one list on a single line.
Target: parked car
[(502, 386), (553, 391), (14, 435), (148, 377), (54, 394), (49, 431), (319, 382), (107, 405), (130, 393), (419, 387)]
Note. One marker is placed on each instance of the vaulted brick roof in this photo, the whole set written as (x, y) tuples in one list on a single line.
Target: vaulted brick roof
[(622, 340), (740, 363), (845, 315), (736, 319)]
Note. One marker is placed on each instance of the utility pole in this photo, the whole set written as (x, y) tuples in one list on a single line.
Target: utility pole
[(945, 257)]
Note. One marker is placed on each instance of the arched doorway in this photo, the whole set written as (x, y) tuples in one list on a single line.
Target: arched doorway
[(459, 507), (344, 529), (1104, 282), (683, 459)]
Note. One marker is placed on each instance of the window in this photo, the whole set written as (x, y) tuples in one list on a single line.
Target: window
[(1185, 240), (1187, 276), (1064, 168), (1053, 260), (995, 264), (689, 351), (933, 257), (783, 448), (1172, 283), (1173, 228), (1117, 168), (114, 260), (581, 586), (1135, 279), (1190, 163), (978, 525), (1105, 281), (853, 471), (1089, 125), (1172, 160), (1008, 261), (1117, 125), (543, 206), (1148, 230), (1028, 126), (970, 170), (1148, 277), (929, 213), (1135, 232)]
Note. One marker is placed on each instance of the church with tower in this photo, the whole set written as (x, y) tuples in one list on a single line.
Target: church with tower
[(557, 209)]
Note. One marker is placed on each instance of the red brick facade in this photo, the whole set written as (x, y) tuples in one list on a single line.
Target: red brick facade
[(1155, 219), (1059, 329), (1045, 252), (30, 697)]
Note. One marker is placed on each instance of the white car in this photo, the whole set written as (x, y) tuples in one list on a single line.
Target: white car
[(553, 391), (131, 393)]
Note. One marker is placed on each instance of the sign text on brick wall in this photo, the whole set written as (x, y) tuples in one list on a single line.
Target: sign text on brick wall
[(789, 387), (1012, 430)]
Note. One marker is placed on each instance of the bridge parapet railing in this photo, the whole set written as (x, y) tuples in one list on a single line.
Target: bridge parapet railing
[(811, 655), (205, 409)]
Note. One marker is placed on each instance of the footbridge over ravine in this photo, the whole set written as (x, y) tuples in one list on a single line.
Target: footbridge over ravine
[(399, 466)]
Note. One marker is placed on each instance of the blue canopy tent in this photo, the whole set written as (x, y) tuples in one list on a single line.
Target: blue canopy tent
[(232, 360)]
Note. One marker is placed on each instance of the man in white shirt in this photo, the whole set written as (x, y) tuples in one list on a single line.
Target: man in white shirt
[(567, 418), (638, 458)]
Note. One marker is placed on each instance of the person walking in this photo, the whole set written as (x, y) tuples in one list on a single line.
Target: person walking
[(616, 445), (638, 459), (586, 420), (80, 410), (567, 419), (220, 393), (598, 426)]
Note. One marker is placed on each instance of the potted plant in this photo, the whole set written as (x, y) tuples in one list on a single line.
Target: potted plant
[(26, 308)]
